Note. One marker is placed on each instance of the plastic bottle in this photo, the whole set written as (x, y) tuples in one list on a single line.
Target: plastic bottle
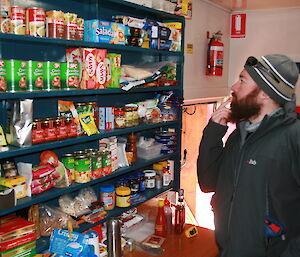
[(160, 224), (180, 213), (168, 214)]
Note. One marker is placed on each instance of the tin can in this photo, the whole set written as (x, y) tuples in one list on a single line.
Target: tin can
[(5, 24), (69, 162), (80, 29), (52, 76), (82, 169), (3, 83), (18, 20), (70, 73), (34, 75), (55, 24), (78, 153), (70, 25), (16, 75), (35, 22), (4, 7), (96, 165), (106, 162)]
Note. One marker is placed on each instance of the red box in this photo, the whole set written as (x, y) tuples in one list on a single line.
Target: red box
[(18, 241)]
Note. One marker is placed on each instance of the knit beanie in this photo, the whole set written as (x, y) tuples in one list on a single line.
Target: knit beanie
[(276, 75)]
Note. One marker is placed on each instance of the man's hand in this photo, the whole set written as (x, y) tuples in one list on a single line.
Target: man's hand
[(222, 114)]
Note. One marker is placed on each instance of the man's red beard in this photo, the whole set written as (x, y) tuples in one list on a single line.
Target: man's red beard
[(244, 108)]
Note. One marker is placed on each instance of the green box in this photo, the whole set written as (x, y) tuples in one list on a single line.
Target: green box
[(70, 74), (113, 62), (35, 74), (16, 75), (3, 83), (26, 250), (52, 75)]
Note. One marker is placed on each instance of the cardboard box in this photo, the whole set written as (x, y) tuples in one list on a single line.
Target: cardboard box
[(18, 183), (7, 198), (113, 64)]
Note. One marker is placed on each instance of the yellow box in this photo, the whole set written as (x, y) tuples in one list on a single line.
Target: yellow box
[(18, 183)]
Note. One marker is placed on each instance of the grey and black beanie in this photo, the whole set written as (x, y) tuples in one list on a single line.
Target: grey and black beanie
[(276, 75)]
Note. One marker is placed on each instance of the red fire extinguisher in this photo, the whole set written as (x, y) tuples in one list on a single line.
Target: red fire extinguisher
[(215, 56)]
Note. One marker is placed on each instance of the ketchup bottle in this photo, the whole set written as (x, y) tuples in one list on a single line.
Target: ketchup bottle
[(160, 224)]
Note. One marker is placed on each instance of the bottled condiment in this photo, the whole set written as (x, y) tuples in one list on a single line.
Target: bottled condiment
[(132, 146), (168, 214), (160, 223), (134, 184), (180, 213), (37, 132)]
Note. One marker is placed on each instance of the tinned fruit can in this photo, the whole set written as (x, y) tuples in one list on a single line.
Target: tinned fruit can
[(5, 24), (80, 29), (18, 20), (16, 75), (35, 22), (55, 24), (69, 162), (82, 169), (34, 75), (96, 165), (3, 84), (70, 73), (70, 25), (52, 74)]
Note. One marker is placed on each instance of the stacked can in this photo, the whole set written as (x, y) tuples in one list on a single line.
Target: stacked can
[(5, 25), (168, 140), (110, 144)]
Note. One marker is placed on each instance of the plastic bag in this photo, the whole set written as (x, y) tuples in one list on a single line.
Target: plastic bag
[(52, 218)]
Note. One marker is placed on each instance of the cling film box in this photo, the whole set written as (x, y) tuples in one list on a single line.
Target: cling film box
[(113, 63), (70, 75), (34, 74), (16, 75), (52, 74), (104, 32)]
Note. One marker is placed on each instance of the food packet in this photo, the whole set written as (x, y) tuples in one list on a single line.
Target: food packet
[(86, 119), (52, 218), (66, 204)]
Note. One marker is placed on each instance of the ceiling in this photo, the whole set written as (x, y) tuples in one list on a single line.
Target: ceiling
[(236, 5)]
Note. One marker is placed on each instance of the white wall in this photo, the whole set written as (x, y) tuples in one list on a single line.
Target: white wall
[(206, 17), (267, 32)]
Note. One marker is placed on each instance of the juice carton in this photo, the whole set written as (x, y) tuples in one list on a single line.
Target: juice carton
[(113, 62)]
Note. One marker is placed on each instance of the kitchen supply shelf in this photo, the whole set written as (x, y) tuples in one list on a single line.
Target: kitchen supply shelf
[(56, 192), (43, 242), (17, 151), (80, 92)]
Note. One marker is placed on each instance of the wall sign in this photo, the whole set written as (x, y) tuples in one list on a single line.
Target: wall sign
[(238, 25)]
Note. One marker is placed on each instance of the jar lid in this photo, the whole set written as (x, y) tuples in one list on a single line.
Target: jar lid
[(157, 166), (123, 191), (107, 188), (150, 173)]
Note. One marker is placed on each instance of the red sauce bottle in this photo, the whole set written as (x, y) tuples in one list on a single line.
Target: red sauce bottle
[(161, 224)]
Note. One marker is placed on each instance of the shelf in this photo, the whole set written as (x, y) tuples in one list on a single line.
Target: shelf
[(76, 43), (43, 242), (82, 92), (159, 13), (56, 192), (17, 151)]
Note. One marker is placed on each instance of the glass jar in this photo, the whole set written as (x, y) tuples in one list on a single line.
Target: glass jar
[(150, 179), (37, 132), (122, 182), (141, 179), (134, 184)]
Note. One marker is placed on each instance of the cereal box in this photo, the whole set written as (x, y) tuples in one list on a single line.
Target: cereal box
[(104, 32), (101, 69), (113, 63)]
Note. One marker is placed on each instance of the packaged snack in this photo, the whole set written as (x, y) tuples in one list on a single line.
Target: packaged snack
[(113, 63), (87, 120), (41, 171)]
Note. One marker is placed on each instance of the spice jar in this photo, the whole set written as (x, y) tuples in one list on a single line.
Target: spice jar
[(123, 197), (107, 196), (37, 132)]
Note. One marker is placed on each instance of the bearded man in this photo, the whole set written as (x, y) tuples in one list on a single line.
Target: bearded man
[(256, 174)]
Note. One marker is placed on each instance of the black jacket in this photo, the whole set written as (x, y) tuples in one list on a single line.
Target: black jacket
[(251, 181)]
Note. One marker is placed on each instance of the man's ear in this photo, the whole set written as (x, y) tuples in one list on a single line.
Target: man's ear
[(263, 95)]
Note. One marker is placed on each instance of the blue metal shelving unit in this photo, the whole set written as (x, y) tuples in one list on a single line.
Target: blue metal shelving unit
[(48, 49)]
